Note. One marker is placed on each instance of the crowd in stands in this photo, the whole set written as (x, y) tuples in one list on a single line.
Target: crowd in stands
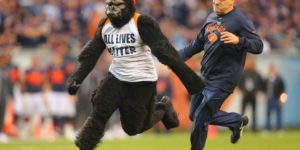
[(30, 23)]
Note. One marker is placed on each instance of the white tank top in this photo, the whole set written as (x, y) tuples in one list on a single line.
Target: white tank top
[(132, 60)]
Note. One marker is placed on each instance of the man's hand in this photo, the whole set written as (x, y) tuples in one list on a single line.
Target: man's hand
[(72, 85), (229, 38)]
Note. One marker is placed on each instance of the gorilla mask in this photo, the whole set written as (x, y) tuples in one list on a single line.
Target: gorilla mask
[(114, 8), (119, 11)]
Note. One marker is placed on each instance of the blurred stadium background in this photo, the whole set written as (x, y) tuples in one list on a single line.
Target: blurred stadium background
[(46, 33)]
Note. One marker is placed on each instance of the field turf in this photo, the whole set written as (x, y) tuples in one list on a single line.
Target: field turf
[(288, 140)]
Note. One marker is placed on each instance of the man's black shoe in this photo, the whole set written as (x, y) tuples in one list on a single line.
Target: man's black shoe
[(237, 133), (170, 119)]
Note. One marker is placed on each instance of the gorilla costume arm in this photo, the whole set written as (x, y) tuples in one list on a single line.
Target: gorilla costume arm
[(87, 59), (151, 34)]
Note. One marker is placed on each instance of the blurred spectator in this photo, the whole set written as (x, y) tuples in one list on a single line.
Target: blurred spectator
[(33, 31), (170, 28), (52, 10), (61, 104), (276, 97), (158, 9), (5, 92), (1, 23), (180, 12), (249, 85), (36, 108), (19, 107), (16, 96)]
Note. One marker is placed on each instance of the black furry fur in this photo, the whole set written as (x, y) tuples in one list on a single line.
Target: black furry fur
[(135, 102), (161, 48), (104, 104)]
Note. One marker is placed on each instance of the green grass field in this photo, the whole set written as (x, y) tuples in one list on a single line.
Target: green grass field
[(289, 140)]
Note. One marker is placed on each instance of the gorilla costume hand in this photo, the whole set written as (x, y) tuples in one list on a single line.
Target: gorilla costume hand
[(72, 85)]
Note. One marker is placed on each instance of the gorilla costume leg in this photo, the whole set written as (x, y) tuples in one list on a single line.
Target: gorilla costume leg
[(162, 111), (139, 109), (105, 102)]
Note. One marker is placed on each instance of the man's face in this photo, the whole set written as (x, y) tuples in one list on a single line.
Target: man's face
[(222, 6), (114, 8)]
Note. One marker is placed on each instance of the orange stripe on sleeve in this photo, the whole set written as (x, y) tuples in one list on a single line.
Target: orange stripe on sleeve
[(136, 17), (107, 21)]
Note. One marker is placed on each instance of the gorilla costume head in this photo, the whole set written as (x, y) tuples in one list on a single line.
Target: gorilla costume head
[(119, 11)]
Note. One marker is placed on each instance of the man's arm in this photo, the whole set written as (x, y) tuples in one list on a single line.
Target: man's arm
[(249, 40), (196, 46), (87, 59), (161, 48), (281, 85)]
